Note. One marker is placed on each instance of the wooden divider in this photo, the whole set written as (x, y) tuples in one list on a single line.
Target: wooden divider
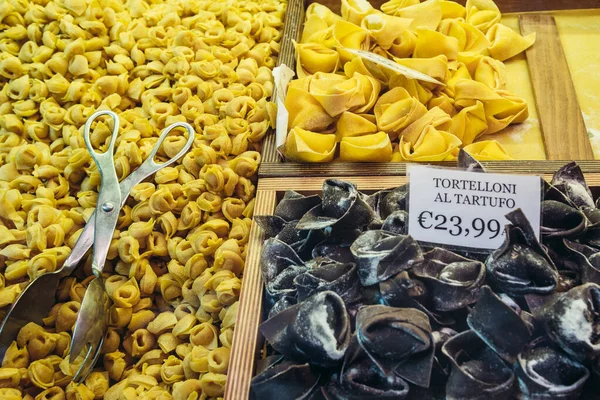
[(247, 340), (563, 129)]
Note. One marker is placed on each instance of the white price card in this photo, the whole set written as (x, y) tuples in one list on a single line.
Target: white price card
[(466, 209)]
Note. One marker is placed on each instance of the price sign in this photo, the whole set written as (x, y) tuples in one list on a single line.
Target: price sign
[(466, 209)]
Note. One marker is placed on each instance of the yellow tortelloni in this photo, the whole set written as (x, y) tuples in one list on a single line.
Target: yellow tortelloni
[(15, 357), (482, 69), (470, 39), (487, 150), (397, 109), (213, 384), (431, 43), (41, 373), (97, 383), (314, 57), (305, 111), (426, 14), (356, 11), (506, 43), (228, 257), (388, 31), (171, 370), (482, 14), (432, 145), (78, 391), (53, 393), (306, 146), (469, 123), (350, 124), (375, 147), (348, 35), (501, 107), (337, 93)]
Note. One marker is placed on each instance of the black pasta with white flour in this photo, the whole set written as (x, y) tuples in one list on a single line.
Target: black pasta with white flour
[(357, 309)]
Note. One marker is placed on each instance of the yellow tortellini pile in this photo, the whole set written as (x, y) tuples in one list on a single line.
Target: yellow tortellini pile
[(177, 256), (376, 114)]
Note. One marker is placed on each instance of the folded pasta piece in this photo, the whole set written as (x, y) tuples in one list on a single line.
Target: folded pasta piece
[(351, 124), (483, 14), (443, 101), (306, 146), (469, 123), (321, 36), (356, 10), (314, 57), (376, 147), (386, 29), (318, 24), (351, 36), (506, 43), (313, 25), (305, 111), (323, 12), (368, 68), (431, 44), (397, 109), (456, 71), (436, 67), (337, 93), (452, 9), (487, 150), (301, 83), (432, 145), (486, 70), (501, 107), (427, 14), (436, 117), (370, 88), (470, 39), (404, 44), (393, 6), (417, 89)]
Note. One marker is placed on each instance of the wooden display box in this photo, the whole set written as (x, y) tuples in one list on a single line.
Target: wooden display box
[(564, 133), (248, 343)]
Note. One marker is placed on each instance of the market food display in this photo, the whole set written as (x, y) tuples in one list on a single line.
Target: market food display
[(177, 257), (349, 108), (357, 309)]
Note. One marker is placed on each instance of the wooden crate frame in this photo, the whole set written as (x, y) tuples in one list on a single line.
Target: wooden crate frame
[(247, 341), (547, 83)]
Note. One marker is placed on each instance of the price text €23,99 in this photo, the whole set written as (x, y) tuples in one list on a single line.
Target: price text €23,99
[(457, 227)]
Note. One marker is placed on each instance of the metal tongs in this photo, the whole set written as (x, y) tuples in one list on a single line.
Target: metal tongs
[(38, 298)]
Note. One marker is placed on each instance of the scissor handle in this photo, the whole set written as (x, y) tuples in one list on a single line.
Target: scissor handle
[(101, 157), (150, 166)]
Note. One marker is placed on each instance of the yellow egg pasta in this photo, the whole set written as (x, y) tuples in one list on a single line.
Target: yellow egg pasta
[(154, 64), (339, 93)]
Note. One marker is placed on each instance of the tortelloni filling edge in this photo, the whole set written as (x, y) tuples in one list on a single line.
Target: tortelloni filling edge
[(176, 261), (379, 115)]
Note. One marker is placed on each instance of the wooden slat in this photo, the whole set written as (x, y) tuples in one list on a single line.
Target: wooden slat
[(294, 20), (564, 132), (278, 169), (365, 183), (244, 346), (505, 6)]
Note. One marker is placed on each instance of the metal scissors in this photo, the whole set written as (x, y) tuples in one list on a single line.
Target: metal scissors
[(38, 298)]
